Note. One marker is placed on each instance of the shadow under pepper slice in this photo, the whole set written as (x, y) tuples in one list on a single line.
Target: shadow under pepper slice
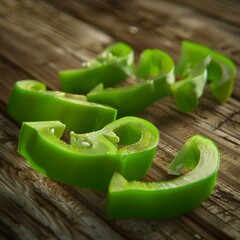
[(157, 69), (126, 146), (112, 66), (30, 101), (171, 198), (221, 71)]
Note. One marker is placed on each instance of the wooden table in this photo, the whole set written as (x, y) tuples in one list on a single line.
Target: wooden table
[(39, 38)]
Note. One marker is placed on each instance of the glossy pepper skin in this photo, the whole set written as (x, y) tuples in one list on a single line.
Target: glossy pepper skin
[(188, 90), (110, 67), (156, 74), (170, 198), (30, 101), (221, 71), (126, 146)]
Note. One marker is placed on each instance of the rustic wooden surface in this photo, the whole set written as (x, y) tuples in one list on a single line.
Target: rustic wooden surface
[(39, 38)]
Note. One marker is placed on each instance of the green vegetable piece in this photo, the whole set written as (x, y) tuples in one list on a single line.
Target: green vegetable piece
[(157, 70), (166, 199), (126, 146), (30, 101), (188, 90), (221, 74), (221, 70), (110, 67), (157, 66)]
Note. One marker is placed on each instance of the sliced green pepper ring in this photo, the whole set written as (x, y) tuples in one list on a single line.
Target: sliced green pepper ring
[(126, 146), (112, 66), (156, 71), (171, 198), (221, 70), (30, 101), (188, 90)]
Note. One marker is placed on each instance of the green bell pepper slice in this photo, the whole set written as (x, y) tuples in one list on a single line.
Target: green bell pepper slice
[(221, 71), (126, 146), (30, 101), (166, 199), (112, 66), (188, 90), (156, 71)]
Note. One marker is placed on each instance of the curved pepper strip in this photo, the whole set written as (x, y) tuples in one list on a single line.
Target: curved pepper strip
[(126, 146), (155, 66), (171, 198), (221, 70), (30, 101), (112, 66), (188, 90)]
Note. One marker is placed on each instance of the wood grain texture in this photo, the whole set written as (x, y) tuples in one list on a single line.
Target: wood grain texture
[(39, 38)]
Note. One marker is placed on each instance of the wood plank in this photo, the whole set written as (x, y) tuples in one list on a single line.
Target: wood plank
[(9, 74), (44, 45), (175, 25), (227, 11), (232, 126), (43, 207), (190, 120), (34, 59), (201, 119), (72, 35), (45, 33), (173, 122), (95, 202), (51, 193), (39, 53)]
